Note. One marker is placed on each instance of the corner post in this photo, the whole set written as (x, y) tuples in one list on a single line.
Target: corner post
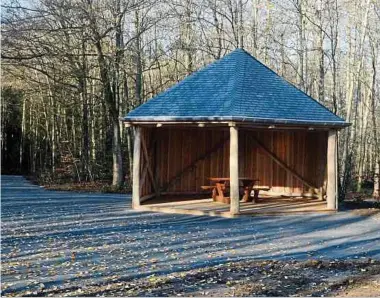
[(136, 168), (332, 173), (234, 170)]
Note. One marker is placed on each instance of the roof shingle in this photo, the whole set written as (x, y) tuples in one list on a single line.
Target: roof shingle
[(235, 88)]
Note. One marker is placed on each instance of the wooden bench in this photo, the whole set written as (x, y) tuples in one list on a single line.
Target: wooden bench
[(208, 187), (214, 190), (256, 190)]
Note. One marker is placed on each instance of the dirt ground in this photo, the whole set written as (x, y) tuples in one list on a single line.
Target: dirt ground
[(61, 243), (264, 278)]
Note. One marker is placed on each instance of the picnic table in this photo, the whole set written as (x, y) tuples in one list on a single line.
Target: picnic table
[(221, 186)]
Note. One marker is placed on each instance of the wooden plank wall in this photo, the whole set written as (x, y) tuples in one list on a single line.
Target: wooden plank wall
[(304, 152), (176, 148)]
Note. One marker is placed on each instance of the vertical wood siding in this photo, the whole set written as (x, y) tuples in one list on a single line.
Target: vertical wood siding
[(177, 148)]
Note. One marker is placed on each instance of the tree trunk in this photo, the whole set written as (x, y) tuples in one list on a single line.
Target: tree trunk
[(188, 34), (376, 184), (23, 123), (93, 123), (255, 27), (218, 30), (138, 79), (301, 44), (109, 98), (85, 130), (349, 132), (129, 133), (321, 82), (117, 167), (241, 27)]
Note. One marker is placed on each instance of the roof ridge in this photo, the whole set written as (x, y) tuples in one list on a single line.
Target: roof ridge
[(241, 77)]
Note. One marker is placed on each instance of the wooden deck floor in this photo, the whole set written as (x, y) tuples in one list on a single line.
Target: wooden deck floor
[(206, 206)]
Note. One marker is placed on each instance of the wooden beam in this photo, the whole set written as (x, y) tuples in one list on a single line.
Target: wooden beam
[(332, 173), (320, 194), (174, 123), (179, 193), (282, 164), (192, 165), (148, 165), (234, 171), (147, 197), (245, 124), (143, 176), (136, 169)]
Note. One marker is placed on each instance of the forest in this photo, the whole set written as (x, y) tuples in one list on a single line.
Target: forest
[(72, 68)]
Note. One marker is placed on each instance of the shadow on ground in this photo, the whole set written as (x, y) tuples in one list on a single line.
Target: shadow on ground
[(64, 239)]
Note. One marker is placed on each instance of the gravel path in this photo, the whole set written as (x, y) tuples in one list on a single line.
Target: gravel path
[(61, 240)]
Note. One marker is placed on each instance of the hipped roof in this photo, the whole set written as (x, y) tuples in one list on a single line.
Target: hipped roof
[(236, 88)]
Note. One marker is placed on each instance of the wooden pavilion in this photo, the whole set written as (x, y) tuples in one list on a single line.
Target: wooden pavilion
[(234, 118)]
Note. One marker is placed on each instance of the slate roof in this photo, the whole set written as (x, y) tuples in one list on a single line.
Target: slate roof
[(236, 88)]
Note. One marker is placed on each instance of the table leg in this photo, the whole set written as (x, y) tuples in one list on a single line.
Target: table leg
[(255, 195), (220, 189), (248, 185), (214, 194), (246, 194)]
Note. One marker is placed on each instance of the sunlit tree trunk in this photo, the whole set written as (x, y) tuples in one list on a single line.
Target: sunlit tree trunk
[(350, 132), (376, 184), (23, 131), (301, 44)]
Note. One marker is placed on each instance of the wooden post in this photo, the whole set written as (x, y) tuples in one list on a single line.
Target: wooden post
[(234, 170), (320, 194), (136, 169), (332, 173)]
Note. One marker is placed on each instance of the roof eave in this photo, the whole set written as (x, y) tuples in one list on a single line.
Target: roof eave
[(258, 121)]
